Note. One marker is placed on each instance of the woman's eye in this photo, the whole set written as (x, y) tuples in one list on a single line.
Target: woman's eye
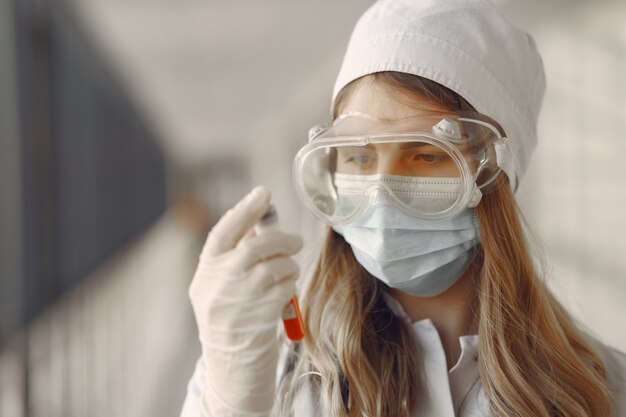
[(429, 158), (358, 159)]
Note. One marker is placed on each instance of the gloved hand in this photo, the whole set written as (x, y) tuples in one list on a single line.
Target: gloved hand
[(238, 292)]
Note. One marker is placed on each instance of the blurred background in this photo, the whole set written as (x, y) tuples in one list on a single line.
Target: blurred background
[(128, 127)]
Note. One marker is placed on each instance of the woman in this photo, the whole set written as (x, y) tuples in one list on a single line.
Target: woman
[(425, 300)]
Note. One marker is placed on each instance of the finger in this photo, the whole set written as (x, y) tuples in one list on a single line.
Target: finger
[(258, 248), (237, 221), (263, 308), (269, 273), (250, 233)]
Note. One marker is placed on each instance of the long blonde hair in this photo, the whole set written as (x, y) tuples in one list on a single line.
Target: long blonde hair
[(533, 360)]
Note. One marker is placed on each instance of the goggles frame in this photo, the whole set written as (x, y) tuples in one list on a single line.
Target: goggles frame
[(443, 136)]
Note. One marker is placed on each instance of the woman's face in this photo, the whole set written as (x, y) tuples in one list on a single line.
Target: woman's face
[(406, 159)]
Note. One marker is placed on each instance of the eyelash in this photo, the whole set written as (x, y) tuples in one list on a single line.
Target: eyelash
[(353, 158), (434, 158)]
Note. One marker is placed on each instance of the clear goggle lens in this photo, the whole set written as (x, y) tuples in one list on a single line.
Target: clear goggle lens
[(429, 175)]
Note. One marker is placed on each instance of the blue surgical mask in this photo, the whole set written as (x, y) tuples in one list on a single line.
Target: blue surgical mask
[(420, 257)]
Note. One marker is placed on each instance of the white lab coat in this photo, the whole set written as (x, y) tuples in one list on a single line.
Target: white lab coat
[(445, 393)]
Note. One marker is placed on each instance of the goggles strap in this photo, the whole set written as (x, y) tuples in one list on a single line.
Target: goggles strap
[(504, 158)]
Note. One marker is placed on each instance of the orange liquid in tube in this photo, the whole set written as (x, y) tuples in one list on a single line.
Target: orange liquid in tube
[(292, 318)]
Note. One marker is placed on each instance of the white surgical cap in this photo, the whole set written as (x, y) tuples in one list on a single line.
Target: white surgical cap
[(465, 45)]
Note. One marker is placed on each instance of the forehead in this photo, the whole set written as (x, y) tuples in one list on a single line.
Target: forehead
[(386, 102)]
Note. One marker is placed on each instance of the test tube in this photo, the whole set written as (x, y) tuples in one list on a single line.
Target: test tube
[(292, 318)]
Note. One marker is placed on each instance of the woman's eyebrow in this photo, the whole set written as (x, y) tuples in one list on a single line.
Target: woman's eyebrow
[(411, 145)]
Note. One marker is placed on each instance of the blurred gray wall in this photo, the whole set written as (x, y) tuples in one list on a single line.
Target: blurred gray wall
[(574, 195)]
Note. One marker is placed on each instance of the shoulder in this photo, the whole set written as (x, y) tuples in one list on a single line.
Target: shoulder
[(615, 363)]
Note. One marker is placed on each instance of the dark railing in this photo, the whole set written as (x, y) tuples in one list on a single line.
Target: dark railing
[(91, 176)]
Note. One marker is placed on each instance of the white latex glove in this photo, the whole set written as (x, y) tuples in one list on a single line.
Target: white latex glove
[(238, 293)]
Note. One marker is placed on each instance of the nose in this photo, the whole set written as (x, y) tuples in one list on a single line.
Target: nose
[(389, 161), (388, 164)]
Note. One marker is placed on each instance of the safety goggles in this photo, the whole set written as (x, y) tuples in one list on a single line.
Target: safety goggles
[(431, 166)]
